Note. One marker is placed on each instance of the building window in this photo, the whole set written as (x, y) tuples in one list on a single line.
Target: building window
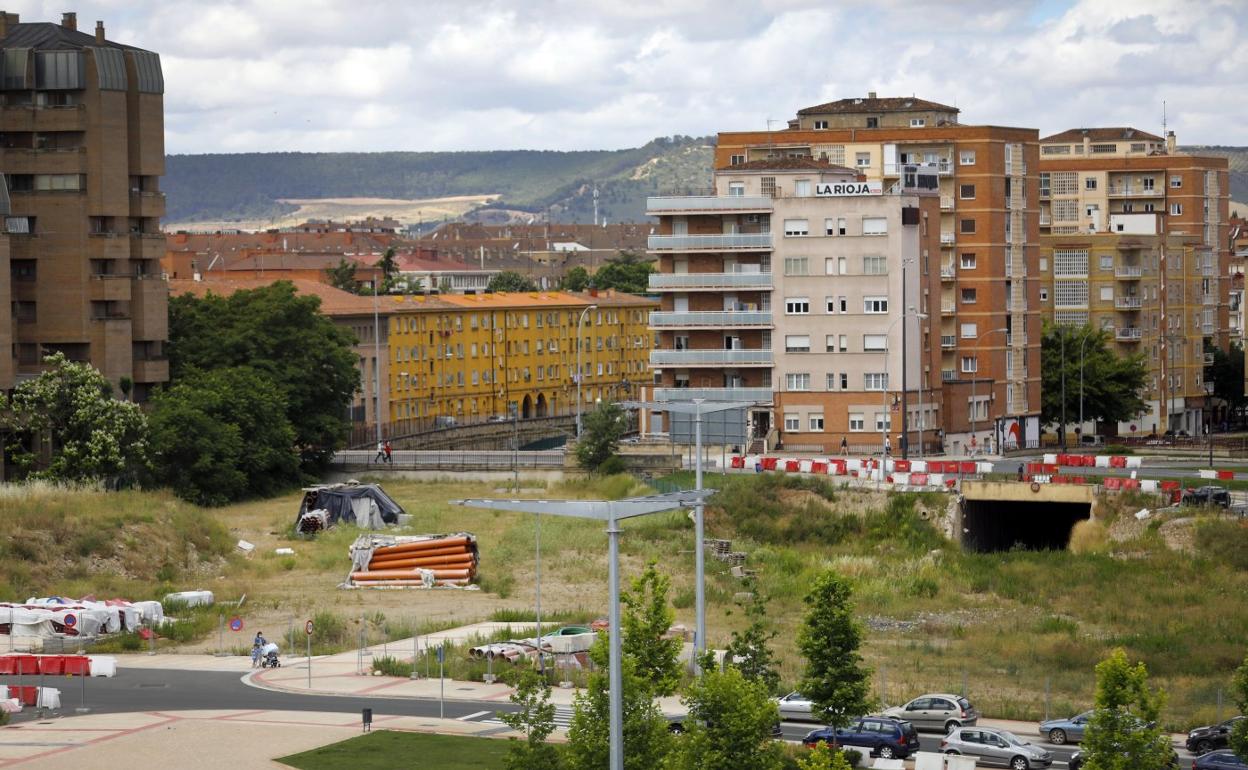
[(875, 305), (801, 188), (792, 422), (834, 227), (874, 343), (1176, 209), (829, 268), (1044, 295), (844, 381), (830, 381), (1107, 261), (968, 261), (768, 185), (1107, 293), (830, 303), (966, 226), (917, 122), (883, 422), (844, 342), (966, 158), (970, 364), (874, 226), (797, 381), (829, 342), (875, 266), (796, 227), (970, 331), (873, 122), (1103, 149), (796, 266), (736, 160), (968, 296), (966, 192), (857, 422), (1148, 182), (797, 343), (862, 159), (797, 305), (816, 423), (1064, 182), (1176, 181), (1070, 262), (821, 125), (844, 303), (736, 189), (875, 381)]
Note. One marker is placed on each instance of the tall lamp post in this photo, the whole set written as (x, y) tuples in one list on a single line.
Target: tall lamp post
[(377, 360), (975, 376), (1081, 346), (888, 423), (1209, 388), (580, 343), (610, 512)]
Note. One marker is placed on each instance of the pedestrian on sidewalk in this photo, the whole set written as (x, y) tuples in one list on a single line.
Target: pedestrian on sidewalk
[(844, 446), (381, 453), (389, 450)]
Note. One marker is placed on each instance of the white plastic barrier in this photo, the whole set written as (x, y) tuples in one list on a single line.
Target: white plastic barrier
[(49, 698), (103, 665), (983, 467), (1050, 459), (10, 705), (888, 764), (958, 762), (191, 598), (1102, 461), (853, 464), (936, 479), (1133, 462), (918, 466), (902, 478), (805, 465), (1148, 485), (929, 760), (1208, 474)]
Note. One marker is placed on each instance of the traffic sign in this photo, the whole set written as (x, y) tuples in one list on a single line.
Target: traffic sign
[(71, 620), (308, 627), (441, 655), (236, 624)]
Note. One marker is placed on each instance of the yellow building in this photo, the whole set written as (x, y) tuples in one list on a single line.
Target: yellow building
[(466, 358)]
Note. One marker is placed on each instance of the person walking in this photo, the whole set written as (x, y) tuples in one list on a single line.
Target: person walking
[(888, 445), (257, 645), (389, 450), (844, 446), (381, 453)]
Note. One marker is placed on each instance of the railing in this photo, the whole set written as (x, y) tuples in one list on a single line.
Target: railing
[(947, 238), (1011, 337), (716, 318), (948, 341), (406, 459), (1208, 299), (1128, 303), (1129, 334), (1046, 219), (947, 272), (1131, 192), (947, 308), (1046, 192), (710, 281), (1206, 329), (668, 203), (762, 395), (709, 242), (705, 357), (948, 375), (1128, 272), (946, 203)]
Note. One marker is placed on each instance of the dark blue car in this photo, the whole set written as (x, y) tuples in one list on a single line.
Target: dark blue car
[(878, 736), (1219, 760)]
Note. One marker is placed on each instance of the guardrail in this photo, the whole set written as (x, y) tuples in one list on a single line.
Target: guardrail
[(446, 460)]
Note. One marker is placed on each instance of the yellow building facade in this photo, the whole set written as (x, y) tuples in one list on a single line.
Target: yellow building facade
[(466, 358)]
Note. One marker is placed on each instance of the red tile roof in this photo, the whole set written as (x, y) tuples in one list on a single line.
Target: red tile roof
[(1104, 134), (876, 104), (804, 163)]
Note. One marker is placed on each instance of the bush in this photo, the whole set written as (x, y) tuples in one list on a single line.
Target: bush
[(389, 666), (1089, 536)]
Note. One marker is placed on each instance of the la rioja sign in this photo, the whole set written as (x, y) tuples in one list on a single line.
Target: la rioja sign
[(841, 189)]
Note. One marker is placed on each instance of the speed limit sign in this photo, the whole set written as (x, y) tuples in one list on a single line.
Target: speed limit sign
[(308, 627)]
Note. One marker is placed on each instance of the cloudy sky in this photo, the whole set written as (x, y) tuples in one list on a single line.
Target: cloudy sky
[(262, 75)]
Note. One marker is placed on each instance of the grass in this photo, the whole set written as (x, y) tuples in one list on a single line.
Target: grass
[(386, 749)]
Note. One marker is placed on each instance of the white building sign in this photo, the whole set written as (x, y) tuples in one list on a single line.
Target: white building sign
[(843, 189)]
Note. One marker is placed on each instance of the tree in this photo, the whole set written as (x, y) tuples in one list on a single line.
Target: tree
[(510, 280), (646, 737), (645, 621), (603, 429), (729, 724), (1119, 736), (835, 679), (536, 719), (1238, 739), (822, 757), (749, 651), (222, 436), (389, 270), (627, 272), (285, 338), (1226, 372), (1111, 383), (576, 279), (342, 276), (91, 435)]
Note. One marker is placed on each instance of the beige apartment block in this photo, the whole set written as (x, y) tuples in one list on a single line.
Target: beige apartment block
[(82, 153)]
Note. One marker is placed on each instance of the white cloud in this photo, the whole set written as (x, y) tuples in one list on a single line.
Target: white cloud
[(584, 74)]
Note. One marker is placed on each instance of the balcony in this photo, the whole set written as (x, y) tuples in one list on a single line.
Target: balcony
[(947, 308), (1046, 219), (147, 204), (1128, 303), (1129, 334), (948, 342), (1132, 192), (710, 281), (1208, 299), (734, 242), (1128, 272), (946, 203), (151, 370), (1206, 329), (110, 288), (43, 119), (947, 239), (948, 375), (761, 395), (709, 319), (107, 246), (698, 204), (20, 160), (149, 303), (147, 245), (947, 272), (711, 357)]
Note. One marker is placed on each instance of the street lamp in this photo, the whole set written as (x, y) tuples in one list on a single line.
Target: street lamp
[(888, 423), (579, 376), (1209, 388), (975, 376), (610, 512), (377, 361), (1081, 344)]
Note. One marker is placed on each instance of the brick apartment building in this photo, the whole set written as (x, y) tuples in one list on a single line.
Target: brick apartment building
[(976, 275), (82, 152)]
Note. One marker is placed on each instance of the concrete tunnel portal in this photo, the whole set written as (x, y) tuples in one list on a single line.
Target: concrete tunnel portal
[(1000, 516)]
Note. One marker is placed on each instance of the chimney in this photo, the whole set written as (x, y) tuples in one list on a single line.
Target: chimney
[(99, 32), (69, 20), (7, 22), (870, 94), (1172, 143)]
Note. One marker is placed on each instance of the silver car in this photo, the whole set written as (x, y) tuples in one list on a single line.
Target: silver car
[(936, 711), (1000, 748), (794, 706)]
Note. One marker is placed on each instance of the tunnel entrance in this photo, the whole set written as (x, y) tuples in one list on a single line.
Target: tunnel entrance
[(1000, 525)]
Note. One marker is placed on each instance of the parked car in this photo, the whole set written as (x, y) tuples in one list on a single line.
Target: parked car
[(1000, 748), (676, 725), (1219, 760), (794, 706), (1203, 740), (936, 711), (877, 736), (1207, 496), (1068, 730), (1076, 761)]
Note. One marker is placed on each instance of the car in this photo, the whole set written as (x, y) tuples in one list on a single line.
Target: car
[(676, 725), (878, 736), (1207, 496), (1000, 748), (1203, 740), (1068, 730), (936, 711), (1077, 759), (794, 706), (1218, 760)]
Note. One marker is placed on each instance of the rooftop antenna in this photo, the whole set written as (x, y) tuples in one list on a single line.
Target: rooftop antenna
[(1163, 119), (770, 136), (595, 205)]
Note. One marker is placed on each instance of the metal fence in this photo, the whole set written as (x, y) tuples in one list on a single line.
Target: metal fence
[(446, 460)]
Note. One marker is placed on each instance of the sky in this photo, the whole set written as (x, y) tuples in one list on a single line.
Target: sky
[(329, 75)]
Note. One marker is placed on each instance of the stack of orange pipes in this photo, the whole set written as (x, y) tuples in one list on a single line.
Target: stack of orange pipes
[(452, 560)]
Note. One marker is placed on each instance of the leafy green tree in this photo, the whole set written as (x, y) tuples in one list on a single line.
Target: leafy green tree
[(749, 650), (822, 757), (389, 270), (510, 280), (647, 740), (1226, 372), (91, 435), (536, 719), (285, 338), (729, 723), (645, 620), (222, 436), (603, 429), (627, 272), (1112, 383), (576, 279), (835, 679), (342, 276), (1238, 739), (1118, 736)]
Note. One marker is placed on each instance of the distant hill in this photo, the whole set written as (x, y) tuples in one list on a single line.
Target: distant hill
[(252, 186)]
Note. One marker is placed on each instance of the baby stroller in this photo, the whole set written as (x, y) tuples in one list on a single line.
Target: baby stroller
[(268, 656)]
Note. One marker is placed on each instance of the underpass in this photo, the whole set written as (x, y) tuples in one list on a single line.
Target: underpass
[(1002, 515)]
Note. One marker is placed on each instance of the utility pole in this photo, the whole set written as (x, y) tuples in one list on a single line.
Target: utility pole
[(905, 413)]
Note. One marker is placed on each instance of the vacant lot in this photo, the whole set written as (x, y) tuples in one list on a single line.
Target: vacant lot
[(385, 750)]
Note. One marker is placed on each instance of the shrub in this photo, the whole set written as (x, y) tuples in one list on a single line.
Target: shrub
[(1089, 536), (389, 666)]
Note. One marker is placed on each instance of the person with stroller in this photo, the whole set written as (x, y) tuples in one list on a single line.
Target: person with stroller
[(257, 645)]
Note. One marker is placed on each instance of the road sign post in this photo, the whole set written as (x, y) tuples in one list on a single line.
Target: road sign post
[(415, 648), (441, 680), (308, 628)]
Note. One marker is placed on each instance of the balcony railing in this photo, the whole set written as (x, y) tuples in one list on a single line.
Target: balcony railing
[(1132, 192), (1128, 272), (711, 357), (666, 204), (948, 341), (947, 308), (709, 319), (1206, 329), (1046, 219), (762, 395), (734, 242), (1209, 299), (947, 239), (1128, 303), (948, 375), (1129, 334), (947, 272), (946, 203), (684, 281)]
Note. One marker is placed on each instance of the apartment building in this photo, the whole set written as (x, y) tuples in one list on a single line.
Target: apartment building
[(82, 153), (979, 284)]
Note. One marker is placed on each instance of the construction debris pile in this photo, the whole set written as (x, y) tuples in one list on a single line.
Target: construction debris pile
[(56, 616), (413, 561), (569, 647), (367, 506)]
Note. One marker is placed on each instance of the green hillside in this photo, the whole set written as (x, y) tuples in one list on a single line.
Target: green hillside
[(1237, 158)]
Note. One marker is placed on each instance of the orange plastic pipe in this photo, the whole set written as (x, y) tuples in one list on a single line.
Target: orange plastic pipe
[(431, 561), (449, 574), (427, 552), (421, 545), (369, 583)]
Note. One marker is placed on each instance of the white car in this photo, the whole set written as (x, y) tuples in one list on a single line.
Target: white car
[(795, 706)]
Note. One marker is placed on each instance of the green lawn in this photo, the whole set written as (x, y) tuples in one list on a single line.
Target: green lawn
[(385, 750)]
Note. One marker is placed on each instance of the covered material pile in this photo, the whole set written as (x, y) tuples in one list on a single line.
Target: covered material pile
[(56, 616), (365, 505), (415, 561), (569, 647)]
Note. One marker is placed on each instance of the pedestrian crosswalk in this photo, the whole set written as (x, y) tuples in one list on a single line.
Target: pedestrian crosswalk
[(563, 718)]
